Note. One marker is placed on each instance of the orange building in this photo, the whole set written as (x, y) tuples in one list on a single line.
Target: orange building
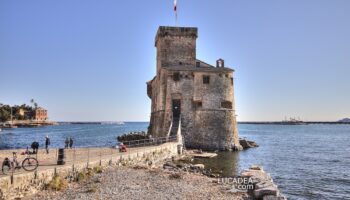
[(40, 114)]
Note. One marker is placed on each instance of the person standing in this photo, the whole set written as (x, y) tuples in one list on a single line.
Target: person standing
[(66, 143), (70, 142), (47, 143)]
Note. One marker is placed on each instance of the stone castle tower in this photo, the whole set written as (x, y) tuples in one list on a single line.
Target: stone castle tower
[(189, 90)]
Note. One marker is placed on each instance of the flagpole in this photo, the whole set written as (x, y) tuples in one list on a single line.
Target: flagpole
[(175, 10), (176, 22)]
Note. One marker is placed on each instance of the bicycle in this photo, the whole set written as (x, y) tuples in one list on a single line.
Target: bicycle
[(28, 164)]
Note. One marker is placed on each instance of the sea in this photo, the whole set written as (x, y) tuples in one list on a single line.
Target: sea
[(305, 161)]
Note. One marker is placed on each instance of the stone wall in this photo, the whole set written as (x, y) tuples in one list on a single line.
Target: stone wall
[(20, 185)]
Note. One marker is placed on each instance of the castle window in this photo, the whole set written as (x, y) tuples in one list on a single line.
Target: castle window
[(226, 104), (206, 79), (197, 104), (226, 75), (198, 64), (176, 76), (180, 63), (232, 81)]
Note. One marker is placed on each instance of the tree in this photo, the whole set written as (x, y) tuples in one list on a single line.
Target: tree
[(35, 104), (5, 113)]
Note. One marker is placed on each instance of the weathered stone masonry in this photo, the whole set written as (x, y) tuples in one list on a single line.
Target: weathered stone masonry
[(199, 94)]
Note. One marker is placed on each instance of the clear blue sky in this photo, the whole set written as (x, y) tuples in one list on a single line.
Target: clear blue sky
[(89, 60)]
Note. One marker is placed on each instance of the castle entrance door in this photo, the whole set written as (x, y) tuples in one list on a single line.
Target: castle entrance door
[(176, 108)]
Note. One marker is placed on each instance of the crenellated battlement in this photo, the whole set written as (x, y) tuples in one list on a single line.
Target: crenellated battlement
[(176, 46), (172, 31)]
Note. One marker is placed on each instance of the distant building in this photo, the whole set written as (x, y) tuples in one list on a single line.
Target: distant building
[(21, 112), (188, 90), (40, 114)]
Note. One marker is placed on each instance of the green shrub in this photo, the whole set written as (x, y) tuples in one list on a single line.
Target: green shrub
[(84, 174), (98, 169), (89, 172), (58, 183), (81, 176)]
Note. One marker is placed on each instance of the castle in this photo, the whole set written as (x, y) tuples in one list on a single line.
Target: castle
[(190, 94)]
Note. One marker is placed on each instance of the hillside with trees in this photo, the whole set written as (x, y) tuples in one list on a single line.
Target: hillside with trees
[(19, 112)]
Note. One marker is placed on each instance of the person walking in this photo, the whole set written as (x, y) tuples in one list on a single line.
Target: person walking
[(66, 142), (47, 143), (70, 142)]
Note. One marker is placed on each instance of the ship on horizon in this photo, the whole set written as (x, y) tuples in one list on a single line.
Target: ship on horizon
[(293, 121)]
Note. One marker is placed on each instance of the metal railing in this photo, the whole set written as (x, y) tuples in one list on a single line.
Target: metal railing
[(86, 155), (150, 141)]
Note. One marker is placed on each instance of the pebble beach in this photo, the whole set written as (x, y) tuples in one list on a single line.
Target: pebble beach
[(132, 183)]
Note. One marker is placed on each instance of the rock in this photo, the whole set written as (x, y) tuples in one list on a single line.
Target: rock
[(263, 184), (203, 155), (199, 166), (247, 144), (169, 165), (264, 188), (237, 148), (256, 167), (271, 190), (180, 165), (270, 197), (185, 158), (214, 175)]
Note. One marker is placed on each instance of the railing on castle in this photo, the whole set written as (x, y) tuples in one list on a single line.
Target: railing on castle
[(150, 141)]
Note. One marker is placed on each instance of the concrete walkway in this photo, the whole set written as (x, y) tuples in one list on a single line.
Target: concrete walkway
[(74, 156)]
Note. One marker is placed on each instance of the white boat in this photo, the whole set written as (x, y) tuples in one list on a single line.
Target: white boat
[(113, 123)]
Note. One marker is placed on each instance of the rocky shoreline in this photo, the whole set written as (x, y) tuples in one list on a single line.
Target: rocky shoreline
[(167, 180), (255, 182)]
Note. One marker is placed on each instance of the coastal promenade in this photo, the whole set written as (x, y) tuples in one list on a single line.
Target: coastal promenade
[(22, 183), (79, 155)]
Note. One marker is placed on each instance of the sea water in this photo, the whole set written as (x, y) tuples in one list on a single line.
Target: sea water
[(305, 161)]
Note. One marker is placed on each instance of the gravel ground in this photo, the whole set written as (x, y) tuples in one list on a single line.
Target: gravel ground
[(130, 183)]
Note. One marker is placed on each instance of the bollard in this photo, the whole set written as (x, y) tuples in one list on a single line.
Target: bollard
[(74, 158), (60, 159), (100, 157), (179, 149), (88, 158)]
